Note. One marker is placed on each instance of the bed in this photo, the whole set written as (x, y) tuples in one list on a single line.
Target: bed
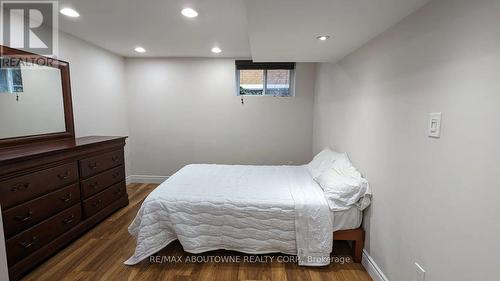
[(250, 209)]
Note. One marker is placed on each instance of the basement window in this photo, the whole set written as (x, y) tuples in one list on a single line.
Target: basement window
[(274, 79)]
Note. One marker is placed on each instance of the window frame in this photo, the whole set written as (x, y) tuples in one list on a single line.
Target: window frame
[(265, 66)]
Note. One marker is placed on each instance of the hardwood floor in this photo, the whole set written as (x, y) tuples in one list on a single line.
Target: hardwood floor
[(99, 255)]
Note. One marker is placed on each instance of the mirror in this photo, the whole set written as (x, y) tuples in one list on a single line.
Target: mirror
[(35, 98), (31, 101)]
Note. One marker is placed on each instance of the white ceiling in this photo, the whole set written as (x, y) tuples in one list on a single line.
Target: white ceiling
[(286, 30), (158, 26), (265, 30)]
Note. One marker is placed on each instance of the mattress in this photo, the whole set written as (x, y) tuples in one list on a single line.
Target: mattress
[(347, 219), (251, 209)]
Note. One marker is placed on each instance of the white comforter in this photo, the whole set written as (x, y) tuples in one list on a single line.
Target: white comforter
[(251, 209)]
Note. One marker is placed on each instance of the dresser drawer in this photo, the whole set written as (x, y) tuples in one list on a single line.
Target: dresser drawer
[(100, 182), (32, 212), (99, 201), (94, 165), (36, 237), (24, 188)]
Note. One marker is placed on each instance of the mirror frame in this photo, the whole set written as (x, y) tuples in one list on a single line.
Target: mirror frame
[(63, 66)]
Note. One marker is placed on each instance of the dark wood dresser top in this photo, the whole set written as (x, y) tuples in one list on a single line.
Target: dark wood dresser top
[(25, 152)]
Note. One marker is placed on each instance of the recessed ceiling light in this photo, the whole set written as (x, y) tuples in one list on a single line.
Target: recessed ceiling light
[(140, 49), (69, 12), (189, 13), (323, 37), (216, 50)]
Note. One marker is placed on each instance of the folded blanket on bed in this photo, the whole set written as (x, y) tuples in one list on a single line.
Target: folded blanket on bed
[(251, 209)]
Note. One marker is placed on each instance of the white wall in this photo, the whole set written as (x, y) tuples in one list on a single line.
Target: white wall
[(98, 89), (185, 111), (435, 200), (4, 272)]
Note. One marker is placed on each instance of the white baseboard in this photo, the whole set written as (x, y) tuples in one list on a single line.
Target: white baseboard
[(372, 268), (145, 179)]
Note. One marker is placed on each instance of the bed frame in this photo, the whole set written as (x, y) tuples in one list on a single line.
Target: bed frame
[(357, 236)]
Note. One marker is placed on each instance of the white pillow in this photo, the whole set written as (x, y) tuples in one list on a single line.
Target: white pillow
[(344, 186), (321, 162), (344, 166)]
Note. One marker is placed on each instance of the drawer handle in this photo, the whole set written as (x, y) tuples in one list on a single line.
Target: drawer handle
[(67, 198), (96, 204), (93, 166), (63, 176), (116, 174), (28, 244), (25, 218), (94, 185), (20, 186), (69, 219), (115, 158)]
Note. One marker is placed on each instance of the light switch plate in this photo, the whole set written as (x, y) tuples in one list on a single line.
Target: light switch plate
[(434, 129), (420, 272)]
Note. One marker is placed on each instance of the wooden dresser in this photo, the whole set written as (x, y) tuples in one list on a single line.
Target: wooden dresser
[(52, 192)]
